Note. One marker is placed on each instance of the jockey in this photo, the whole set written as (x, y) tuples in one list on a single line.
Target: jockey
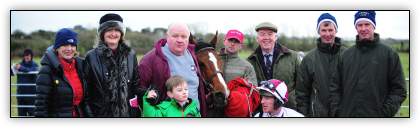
[(274, 95)]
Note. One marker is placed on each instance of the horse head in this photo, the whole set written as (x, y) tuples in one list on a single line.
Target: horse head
[(211, 69)]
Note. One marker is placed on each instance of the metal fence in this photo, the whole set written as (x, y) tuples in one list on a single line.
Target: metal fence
[(33, 95), (23, 95)]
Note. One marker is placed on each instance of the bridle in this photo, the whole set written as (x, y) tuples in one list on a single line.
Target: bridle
[(208, 83)]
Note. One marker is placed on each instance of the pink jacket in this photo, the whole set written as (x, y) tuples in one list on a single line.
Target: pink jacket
[(154, 70)]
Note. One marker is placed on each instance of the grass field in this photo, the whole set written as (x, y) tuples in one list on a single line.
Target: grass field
[(405, 60)]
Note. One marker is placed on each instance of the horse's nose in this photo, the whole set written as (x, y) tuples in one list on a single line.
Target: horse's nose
[(220, 97)]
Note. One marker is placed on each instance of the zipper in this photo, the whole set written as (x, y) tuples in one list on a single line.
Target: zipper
[(183, 112), (313, 110)]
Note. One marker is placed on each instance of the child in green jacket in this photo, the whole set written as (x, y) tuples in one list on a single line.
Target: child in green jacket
[(178, 106)]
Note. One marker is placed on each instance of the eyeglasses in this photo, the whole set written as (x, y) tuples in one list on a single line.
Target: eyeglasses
[(271, 86)]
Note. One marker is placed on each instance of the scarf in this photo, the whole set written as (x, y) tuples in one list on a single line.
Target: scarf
[(117, 83)]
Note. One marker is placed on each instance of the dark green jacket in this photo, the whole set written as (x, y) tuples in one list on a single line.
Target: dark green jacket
[(313, 81), (368, 81), (285, 68)]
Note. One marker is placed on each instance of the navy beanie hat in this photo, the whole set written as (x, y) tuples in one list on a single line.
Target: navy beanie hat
[(65, 36), (365, 16), (326, 17), (111, 21)]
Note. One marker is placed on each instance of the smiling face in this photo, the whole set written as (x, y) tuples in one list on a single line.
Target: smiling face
[(66, 51), (327, 33), (112, 37), (365, 30), (267, 39)]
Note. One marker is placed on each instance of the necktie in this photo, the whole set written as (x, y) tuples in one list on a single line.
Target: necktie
[(268, 63)]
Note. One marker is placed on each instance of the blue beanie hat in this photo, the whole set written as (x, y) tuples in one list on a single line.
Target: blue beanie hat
[(326, 17), (65, 36), (365, 16)]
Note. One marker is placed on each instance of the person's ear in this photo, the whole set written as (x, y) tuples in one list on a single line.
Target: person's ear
[(170, 94)]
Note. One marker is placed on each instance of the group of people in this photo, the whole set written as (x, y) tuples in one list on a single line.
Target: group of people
[(365, 80)]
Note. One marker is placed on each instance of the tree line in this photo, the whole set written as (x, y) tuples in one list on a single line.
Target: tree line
[(142, 41)]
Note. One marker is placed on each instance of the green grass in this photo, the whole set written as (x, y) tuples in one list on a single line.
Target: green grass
[(405, 59)]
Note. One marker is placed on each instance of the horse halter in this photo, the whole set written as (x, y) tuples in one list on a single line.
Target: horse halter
[(208, 83)]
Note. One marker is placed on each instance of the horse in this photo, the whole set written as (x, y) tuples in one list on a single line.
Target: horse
[(210, 65)]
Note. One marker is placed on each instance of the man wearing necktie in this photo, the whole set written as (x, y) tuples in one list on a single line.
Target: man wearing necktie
[(271, 60)]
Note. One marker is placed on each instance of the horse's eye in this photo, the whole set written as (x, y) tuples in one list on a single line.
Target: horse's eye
[(201, 64)]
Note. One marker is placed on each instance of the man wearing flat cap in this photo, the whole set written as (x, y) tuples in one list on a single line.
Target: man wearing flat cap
[(271, 60)]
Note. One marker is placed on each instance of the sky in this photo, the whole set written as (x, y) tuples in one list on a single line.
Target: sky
[(390, 24)]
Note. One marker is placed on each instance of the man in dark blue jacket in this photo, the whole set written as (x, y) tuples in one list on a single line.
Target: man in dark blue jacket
[(26, 65)]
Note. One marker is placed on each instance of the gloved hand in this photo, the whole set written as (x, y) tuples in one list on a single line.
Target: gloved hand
[(153, 95)]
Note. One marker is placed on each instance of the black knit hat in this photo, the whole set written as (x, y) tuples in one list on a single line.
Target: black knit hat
[(109, 17), (111, 21)]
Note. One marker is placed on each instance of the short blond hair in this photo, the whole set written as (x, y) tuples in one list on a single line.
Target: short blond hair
[(173, 82)]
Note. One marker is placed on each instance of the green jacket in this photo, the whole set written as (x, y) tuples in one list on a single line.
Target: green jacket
[(368, 81), (234, 67), (170, 109), (285, 69), (313, 81)]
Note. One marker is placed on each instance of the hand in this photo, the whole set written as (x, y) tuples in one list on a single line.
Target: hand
[(17, 66), (152, 97), (152, 94)]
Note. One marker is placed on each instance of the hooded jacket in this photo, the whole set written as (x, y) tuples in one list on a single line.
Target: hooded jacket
[(368, 81), (313, 81), (55, 94), (285, 68), (112, 81), (170, 109), (154, 70)]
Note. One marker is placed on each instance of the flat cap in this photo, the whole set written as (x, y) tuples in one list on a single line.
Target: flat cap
[(266, 25)]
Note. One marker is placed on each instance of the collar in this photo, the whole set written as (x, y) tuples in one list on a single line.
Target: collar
[(277, 114), (365, 45), (183, 107), (327, 47), (228, 55), (271, 52), (66, 65)]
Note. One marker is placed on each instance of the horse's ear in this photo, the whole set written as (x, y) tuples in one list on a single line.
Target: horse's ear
[(214, 40), (192, 40)]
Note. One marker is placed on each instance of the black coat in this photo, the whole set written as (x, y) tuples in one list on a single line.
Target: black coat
[(313, 81), (54, 94), (368, 81), (112, 81)]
